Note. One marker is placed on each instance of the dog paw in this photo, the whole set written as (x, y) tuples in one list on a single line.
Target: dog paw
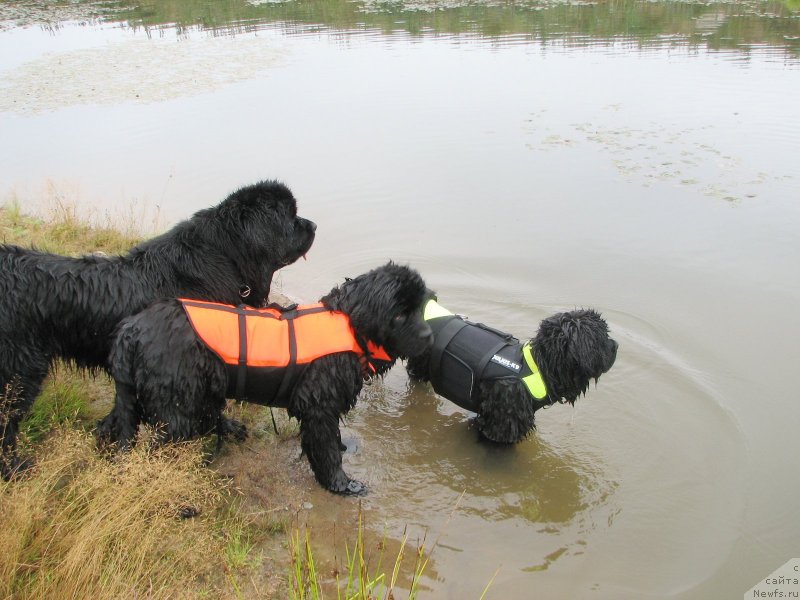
[(103, 428), (347, 487), (188, 512), (355, 488), (231, 428)]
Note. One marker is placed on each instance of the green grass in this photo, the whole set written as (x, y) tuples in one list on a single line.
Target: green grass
[(364, 575), (238, 531), (62, 402)]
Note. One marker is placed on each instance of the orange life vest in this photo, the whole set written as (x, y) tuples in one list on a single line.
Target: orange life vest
[(265, 350)]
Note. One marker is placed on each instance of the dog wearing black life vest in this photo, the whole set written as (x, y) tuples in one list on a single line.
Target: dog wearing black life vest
[(55, 306), (168, 375), (504, 381)]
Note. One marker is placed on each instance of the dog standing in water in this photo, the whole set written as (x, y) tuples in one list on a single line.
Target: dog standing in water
[(176, 362), (504, 381)]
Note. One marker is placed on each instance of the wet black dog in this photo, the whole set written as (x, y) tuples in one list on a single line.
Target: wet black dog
[(55, 306), (504, 381), (166, 376)]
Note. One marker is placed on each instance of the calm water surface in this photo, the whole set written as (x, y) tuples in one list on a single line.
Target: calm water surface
[(639, 158)]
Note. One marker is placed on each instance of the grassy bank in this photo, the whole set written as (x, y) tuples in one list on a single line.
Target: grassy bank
[(172, 523), (82, 526)]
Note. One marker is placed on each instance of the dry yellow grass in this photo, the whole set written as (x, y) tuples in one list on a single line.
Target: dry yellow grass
[(80, 525), (63, 232)]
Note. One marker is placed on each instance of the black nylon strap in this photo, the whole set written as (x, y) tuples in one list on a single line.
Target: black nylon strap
[(284, 312), (497, 332), (288, 373), (241, 371), (241, 309), (442, 338), (363, 360), (280, 307), (292, 313)]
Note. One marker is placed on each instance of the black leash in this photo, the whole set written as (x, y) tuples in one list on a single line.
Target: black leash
[(274, 425)]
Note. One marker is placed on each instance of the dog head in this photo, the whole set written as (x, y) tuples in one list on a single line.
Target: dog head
[(259, 230), (385, 307), (571, 349)]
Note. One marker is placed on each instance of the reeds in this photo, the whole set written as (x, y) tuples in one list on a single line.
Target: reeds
[(363, 576)]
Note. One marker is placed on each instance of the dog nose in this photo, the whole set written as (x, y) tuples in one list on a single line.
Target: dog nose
[(312, 226)]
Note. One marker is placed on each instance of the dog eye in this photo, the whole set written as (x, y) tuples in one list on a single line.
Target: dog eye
[(399, 319)]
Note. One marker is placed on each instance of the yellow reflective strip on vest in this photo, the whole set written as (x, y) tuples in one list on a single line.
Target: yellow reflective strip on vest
[(433, 310), (534, 381)]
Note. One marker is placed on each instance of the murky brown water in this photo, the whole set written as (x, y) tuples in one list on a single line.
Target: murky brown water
[(639, 158)]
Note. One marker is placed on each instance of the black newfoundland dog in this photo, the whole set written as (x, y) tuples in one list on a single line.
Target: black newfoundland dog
[(176, 362), (60, 307), (504, 381)]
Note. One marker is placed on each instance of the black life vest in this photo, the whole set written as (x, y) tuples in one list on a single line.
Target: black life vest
[(465, 353), (265, 351)]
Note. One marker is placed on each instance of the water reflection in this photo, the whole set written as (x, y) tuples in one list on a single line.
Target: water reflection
[(741, 27), (421, 440), (527, 506)]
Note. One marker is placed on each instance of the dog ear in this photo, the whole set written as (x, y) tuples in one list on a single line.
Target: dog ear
[(584, 331), (575, 346)]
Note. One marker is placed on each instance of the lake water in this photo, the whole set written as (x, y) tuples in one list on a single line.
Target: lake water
[(640, 158)]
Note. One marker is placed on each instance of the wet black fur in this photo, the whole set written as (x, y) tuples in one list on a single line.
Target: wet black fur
[(55, 306), (570, 348), (167, 377)]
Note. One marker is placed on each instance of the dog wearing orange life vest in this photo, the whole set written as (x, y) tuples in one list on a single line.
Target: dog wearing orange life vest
[(176, 362)]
